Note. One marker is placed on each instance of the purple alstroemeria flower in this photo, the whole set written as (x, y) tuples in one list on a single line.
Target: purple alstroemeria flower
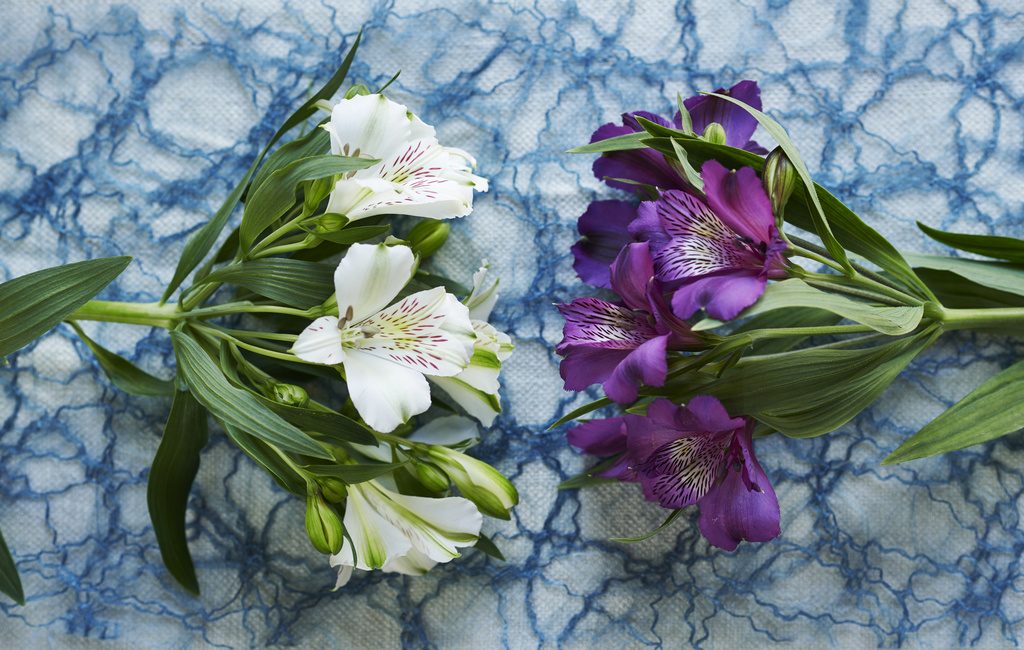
[(605, 232), (622, 345), (717, 254), (648, 166), (605, 437), (697, 454)]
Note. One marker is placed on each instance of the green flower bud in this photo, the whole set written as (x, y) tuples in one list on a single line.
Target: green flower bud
[(330, 222), (431, 477), (358, 89), (714, 133), (780, 178), (334, 490), (428, 236), (290, 394), (492, 493), (315, 192), (323, 526)]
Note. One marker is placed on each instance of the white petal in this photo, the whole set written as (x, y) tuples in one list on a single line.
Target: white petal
[(423, 179), (320, 342), (425, 332), (436, 527), (370, 276), (375, 539), (412, 563), (482, 299), (373, 126), (448, 431), (385, 393), (483, 406)]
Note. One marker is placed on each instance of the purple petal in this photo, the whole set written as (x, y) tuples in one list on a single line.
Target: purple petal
[(631, 273), (722, 296), (648, 433), (647, 365), (743, 506), (638, 165), (681, 472), (738, 124), (701, 243), (647, 225), (681, 335), (739, 200), (630, 119), (605, 437), (596, 323), (605, 230), (708, 414), (583, 367)]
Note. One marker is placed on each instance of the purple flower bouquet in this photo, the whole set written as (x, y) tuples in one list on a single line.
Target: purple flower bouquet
[(711, 333)]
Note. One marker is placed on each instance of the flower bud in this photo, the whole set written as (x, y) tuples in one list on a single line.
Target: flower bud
[(779, 177), (290, 395), (431, 477), (323, 526), (492, 493), (714, 133), (315, 192), (330, 222), (427, 237), (333, 489)]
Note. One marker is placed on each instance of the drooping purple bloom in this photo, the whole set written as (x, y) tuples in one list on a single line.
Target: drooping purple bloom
[(717, 254), (697, 454), (738, 124), (649, 166), (605, 231), (622, 345), (689, 455)]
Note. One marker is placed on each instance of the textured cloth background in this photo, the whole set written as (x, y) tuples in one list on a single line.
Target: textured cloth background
[(123, 127)]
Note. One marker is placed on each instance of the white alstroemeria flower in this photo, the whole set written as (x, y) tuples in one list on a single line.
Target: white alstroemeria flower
[(415, 176), (400, 533), (386, 351), (476, 388)]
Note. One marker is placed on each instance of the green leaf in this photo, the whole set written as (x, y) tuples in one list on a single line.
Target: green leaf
[(352, 474), (354, 234), (795, 317), (334, 426), (794, 292), (589, 476), (10, 582), (124, 374), (821, 224), (580, 412), (1002, 276), (266, 458), (294, 283), (234, 405), (958, 292), (170, 481), (646, 536), (618, 143), (992, 410), (808, 392), (486, 546), (200, 243), (33, 304), (315, 143), (277, 194), (1010, 249)]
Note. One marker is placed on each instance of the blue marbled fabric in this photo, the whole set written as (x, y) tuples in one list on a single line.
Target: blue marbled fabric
[(123, 126)]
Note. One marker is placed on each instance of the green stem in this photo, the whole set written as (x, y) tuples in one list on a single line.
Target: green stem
[(974, 319), (152, 314), (293, 220)]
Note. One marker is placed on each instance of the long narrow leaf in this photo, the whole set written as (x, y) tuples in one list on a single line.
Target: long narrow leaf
[(266, 458), (295, 283), (33, 304), (124, 374), (990, 411), (170, 481), (200, 243), (1010, 249), (1002, 276), (235, 406), (352, 474), (10, 581)]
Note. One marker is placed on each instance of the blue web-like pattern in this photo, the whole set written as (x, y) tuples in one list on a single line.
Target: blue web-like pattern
[(122, 128)]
